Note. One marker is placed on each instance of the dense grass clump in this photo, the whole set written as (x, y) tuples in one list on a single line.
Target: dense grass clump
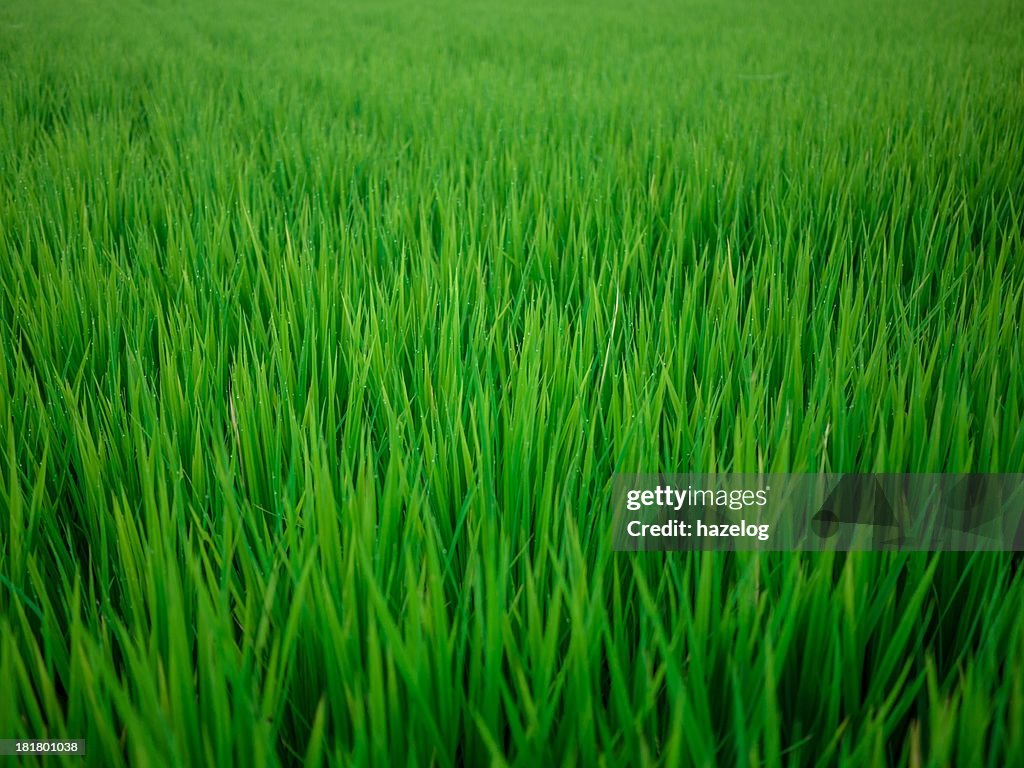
[(325, 325)]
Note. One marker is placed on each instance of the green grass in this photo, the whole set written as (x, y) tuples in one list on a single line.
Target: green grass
[(324, 327)]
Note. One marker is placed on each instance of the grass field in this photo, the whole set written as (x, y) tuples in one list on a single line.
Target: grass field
[(324, 327)]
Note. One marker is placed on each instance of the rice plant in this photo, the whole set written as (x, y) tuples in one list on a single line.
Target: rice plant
[(326, 325)]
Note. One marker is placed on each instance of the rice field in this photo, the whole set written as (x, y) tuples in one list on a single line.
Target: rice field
[(325, 326)]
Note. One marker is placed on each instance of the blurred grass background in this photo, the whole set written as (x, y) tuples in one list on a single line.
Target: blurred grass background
[(325, 325)]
